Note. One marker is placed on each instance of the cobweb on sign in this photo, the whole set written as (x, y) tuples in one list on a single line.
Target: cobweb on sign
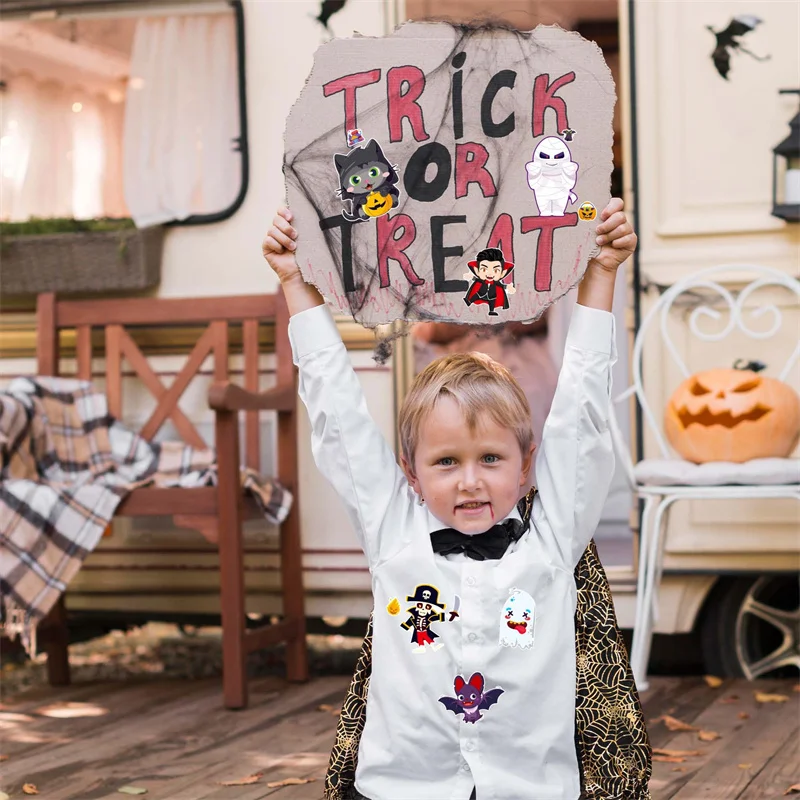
[(311, 168)]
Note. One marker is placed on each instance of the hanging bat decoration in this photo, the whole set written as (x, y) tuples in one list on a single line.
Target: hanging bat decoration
[(727, 42), (327, 9)]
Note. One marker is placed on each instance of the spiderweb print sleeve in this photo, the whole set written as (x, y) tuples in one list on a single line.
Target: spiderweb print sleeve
[(611, 737)]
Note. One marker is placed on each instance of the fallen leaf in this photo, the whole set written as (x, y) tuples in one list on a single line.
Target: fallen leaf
[(679, 769), (330, 709), (131, 790), (3, 758), (793, 789), (669, 759), (254, 778), (731, 698), (29, 788), (796, 687), (290, 782), (743, 715), (713, 681), (745, 766), (663, 752), (674, 724), (764, 697), (708, 736), (4, 796)]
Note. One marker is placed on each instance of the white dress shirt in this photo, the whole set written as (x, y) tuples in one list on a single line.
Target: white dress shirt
[(515, 623)]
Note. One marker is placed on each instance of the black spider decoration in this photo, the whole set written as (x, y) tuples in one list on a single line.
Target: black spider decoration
[(327, 9), (727, 42)]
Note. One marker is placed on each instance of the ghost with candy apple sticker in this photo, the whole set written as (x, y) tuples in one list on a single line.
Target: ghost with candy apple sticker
[(516, 620)]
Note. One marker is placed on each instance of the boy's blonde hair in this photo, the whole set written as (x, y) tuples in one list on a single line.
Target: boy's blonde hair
[(479, 385)]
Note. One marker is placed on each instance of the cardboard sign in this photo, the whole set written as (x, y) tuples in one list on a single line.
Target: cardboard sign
[(450, 173)]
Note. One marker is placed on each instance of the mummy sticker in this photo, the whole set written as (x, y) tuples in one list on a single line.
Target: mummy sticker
[(517, 619), (426, 611), (470, 698), (367, 180), (552, 175)]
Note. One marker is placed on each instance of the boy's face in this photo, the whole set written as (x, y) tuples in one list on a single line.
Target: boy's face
[(490, 270), (469, 479)]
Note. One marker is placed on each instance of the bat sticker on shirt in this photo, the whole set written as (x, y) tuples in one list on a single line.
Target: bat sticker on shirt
[(427, 610), (470, 698)]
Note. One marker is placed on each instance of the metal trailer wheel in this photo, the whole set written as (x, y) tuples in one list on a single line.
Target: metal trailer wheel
[(751, 627)]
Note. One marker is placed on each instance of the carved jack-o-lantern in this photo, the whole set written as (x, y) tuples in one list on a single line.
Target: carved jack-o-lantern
[(732, 415)]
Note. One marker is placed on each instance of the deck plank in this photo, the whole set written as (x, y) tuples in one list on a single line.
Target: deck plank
[(175, 739), (181, 745), (781, 772), (740, 742)]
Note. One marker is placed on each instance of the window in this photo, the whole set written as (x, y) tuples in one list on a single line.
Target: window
[(133, 110)]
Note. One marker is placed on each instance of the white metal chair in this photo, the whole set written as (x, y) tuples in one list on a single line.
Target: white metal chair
[(662, 482)]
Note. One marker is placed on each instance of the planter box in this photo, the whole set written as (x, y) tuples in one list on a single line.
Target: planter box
[(87, 261)]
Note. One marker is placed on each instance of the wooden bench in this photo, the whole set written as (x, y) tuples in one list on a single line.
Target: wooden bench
[(216, 511)]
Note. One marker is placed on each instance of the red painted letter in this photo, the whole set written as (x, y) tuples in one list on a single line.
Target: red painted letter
[(502, 236), (543, 275), (471, 159), (403, 105), (392, 246), (544, 98), (349, 84)]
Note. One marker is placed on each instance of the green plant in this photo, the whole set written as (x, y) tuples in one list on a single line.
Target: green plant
[(38, 227)]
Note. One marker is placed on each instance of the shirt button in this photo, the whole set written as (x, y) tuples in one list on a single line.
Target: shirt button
[(469, 746), (470, 581), (473, 637), (465, 767)]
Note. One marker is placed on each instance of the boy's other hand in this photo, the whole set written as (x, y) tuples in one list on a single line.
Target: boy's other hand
[(615, 236), (279, 246)]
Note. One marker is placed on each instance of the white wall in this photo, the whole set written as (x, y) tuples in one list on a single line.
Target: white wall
[(281, 37)]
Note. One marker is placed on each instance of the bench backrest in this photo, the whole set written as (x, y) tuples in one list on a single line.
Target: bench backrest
[(216, 314)]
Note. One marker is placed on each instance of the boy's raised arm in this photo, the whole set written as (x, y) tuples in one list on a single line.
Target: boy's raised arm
[(575, 463), (348, 447)]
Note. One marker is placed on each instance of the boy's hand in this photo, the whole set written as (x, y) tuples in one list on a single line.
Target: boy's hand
[(279, 245), (615, 236)]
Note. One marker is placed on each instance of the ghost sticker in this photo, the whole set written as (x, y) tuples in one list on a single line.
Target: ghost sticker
[(426, 610), (486, 272), (516, 620), (367, 180), (552, 175), (470, 698)]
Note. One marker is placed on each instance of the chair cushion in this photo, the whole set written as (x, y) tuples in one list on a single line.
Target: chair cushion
[(759, 471)]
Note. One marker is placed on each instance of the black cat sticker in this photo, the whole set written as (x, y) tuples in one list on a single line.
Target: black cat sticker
[(367, 180)]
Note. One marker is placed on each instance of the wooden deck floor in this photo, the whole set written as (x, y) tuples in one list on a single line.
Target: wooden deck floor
[(174, 739)]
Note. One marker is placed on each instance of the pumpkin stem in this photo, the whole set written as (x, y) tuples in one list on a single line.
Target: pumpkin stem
[(752, 366)]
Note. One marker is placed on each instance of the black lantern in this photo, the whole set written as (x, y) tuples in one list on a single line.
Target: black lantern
[(786, 171)]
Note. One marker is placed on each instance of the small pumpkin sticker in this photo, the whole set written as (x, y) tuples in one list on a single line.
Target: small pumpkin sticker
[(733, 415)]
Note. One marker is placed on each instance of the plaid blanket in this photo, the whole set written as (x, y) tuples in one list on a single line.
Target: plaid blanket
[(66, 465)]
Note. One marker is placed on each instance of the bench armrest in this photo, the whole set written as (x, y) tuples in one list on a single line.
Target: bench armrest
[(230, 397)]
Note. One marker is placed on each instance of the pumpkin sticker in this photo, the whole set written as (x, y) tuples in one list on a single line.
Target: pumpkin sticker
[(733, 415)]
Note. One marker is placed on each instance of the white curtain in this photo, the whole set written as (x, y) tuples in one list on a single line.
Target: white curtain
[(181, 117), (57, 156)]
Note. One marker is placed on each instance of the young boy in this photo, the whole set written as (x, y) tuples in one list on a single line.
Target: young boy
[(480, 699)]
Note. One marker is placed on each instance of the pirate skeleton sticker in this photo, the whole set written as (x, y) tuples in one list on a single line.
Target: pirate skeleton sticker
[(486, 273), (552, 175), (516, 620), (427, 609), (366, 179), (470, 698)]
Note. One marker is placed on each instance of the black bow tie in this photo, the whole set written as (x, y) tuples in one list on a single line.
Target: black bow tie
[(489, 545)]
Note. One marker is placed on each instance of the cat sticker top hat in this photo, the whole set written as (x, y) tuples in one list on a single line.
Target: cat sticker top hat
[(487, 272), (367, 180)]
